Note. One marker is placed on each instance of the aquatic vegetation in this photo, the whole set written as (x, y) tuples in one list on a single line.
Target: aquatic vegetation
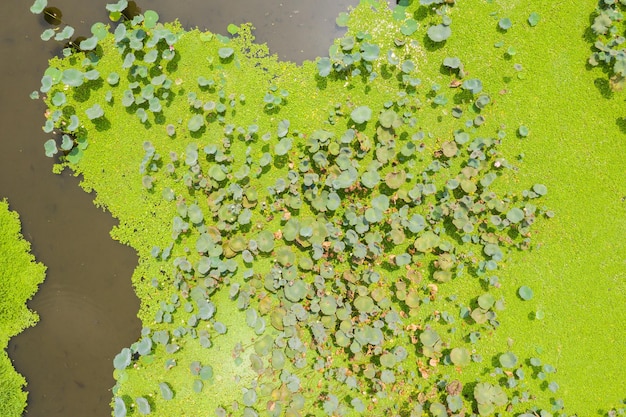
[(20, 276), (608, 32), (348, 233)]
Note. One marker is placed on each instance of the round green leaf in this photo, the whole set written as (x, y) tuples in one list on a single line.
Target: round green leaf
[(143, 405), (505, 23), (89, 43), (369, 52), (166, 391), (324, 67), (361, 114), (439, 33), (150, 18), (409, 27), (523, 131), (38, 6), (534, 19), (72, 77), (50, 147), (122, 359), (195, 123), (296, 291), (540, 189), (525, 293), (515, 215), (94, 112), (342, 19), (119, 408), (226, 52), (508, 360), (460, 356)]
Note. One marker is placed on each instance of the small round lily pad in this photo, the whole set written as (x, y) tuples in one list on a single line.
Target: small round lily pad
[(525, 293)]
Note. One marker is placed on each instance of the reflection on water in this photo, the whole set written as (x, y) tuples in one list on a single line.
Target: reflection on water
[(86, 305)]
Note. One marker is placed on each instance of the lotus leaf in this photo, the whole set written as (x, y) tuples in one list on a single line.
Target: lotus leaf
[(403, 259), (342, 19), (225, 53), (482, 101), (195, 123), (473, 84), (442, 276), (145, 346), (122, 359), (38, 6), (195, 214), (438, 410), (515, 215), (119, 407), (89, 43), (426, 241), (409, 27), (523, 131), (486, 394), (328, 305), (142, 405), (449, 149), (364, 304), (217, 173), (65, 34), (525, 293), (296, 291), (486, 301), (540, 189), (47, 34), (249, 397), (361, 114), (460, 356), (117, 7), (508, 360), (50, 147), (389, 119), (369, 52), (408, 66), (265, 241), (206, 372), (166, 391), (533, 19), (452, 62), (392, 58), (150, 19), (439, 33), (388, 360), (455, 403), (324, 67), (395, 179), (505, 23), (283, 146), (430, 338), (94, 112), (285, 256), (72, 77)]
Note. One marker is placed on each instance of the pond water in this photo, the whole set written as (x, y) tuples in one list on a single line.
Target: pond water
[(87, 307)]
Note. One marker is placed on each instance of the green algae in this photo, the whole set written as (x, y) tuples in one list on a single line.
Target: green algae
[(317, 100), (20, 276)]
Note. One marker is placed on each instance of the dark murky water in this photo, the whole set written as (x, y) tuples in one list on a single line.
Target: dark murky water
[(87, 306)]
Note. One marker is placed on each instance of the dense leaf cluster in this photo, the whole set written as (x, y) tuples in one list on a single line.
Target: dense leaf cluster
[(331, 244)]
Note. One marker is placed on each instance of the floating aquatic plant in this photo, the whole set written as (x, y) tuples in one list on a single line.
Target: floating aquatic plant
[(292, 240)]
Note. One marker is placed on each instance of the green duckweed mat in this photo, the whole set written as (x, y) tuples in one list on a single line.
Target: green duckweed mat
[(20, 276), (429, 221)]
